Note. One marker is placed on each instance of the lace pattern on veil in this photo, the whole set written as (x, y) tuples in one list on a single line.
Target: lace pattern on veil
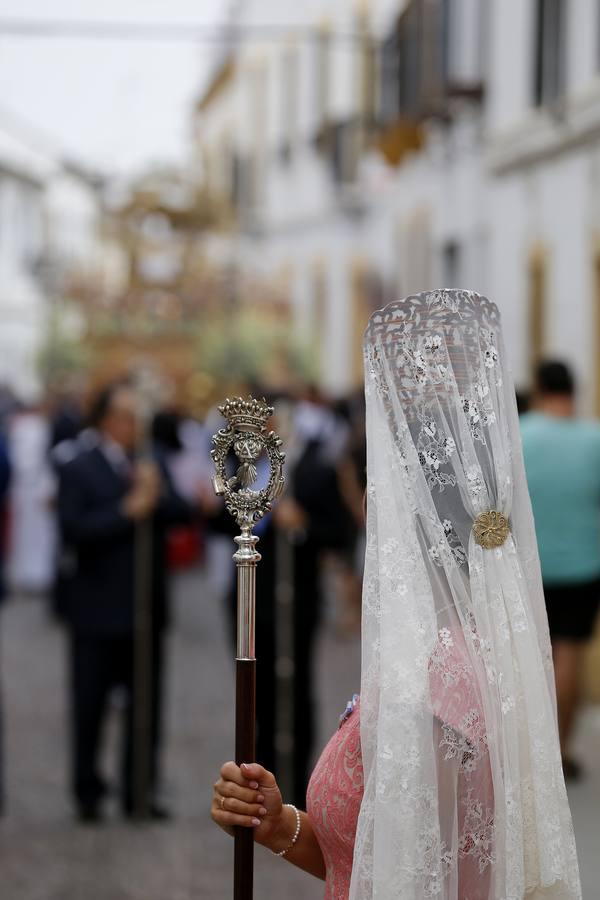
[(464, 794)]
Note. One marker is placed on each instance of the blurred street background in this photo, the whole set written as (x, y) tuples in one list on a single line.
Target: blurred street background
[(204, 199), (44, 855)]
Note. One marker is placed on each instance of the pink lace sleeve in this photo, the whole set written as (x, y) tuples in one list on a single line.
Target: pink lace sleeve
[(333, 803)]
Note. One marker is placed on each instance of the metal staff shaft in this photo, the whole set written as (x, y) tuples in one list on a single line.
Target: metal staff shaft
[(246, 436)]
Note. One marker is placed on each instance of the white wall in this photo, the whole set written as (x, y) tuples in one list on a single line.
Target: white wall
[(511, 69), (49, 226), (21, 300), (498, 181), (545, 186), (72, 212)]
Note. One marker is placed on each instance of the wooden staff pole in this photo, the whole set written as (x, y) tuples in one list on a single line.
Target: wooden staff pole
[(247, 437), (149, 391)]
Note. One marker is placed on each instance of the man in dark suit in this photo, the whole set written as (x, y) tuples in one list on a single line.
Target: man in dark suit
[(105, 498), (4, 485)]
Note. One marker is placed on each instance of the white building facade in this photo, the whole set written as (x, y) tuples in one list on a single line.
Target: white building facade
[(378, 148), (22, 303), (50, 232)]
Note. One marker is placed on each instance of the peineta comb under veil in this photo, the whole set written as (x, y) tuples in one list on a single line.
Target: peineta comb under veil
[(464, 792)]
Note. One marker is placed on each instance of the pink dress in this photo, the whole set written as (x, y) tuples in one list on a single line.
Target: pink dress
[(465, 782), (333, 802)]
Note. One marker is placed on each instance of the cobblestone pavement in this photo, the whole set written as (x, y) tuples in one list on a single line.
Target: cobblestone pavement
[(44, 855)]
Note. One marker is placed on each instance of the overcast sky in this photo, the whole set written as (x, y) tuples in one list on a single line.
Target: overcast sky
[(115, 105)]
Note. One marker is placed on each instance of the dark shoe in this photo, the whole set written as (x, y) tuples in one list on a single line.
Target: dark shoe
[(155, 813), (160, 813), (89, 813)]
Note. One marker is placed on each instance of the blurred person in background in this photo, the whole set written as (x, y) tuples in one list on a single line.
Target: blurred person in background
[(181, 445), (68, 437), (8, 405), (314, 520), (71, 434), (562, 460), (33, 534), (523, 402), (5, 477), (5, 472), (104, 494), (67, 419), (351, 472), (190, 464)]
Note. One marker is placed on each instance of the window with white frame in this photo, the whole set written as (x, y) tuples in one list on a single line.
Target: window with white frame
[(415, 60), (550, 48), (322, 74), (259, 85), (365, 60), (290, 86), (451, 264)]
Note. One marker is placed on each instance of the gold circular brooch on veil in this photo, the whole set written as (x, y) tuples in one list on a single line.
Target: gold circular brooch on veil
[(490, 529)]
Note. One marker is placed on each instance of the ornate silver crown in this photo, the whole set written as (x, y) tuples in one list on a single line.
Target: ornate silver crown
[(248, 413), (246, 435)]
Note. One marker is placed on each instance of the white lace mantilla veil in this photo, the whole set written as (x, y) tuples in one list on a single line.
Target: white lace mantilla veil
[(464, 794)]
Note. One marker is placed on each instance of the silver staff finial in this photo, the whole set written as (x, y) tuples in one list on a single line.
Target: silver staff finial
[(246, 434)]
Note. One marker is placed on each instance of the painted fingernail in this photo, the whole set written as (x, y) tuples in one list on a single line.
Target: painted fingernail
[(254, 785), (256, 821), (262, 811)]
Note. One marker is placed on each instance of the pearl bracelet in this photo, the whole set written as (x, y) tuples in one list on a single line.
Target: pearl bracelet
[(296, 833)]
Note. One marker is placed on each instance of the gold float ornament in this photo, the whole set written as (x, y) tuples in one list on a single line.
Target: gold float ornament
[(491, 529)]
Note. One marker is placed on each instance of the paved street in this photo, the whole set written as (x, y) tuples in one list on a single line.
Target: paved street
[(45, 856)]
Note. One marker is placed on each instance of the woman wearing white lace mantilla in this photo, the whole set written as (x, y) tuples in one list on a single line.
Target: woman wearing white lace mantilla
[(445, 780)]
